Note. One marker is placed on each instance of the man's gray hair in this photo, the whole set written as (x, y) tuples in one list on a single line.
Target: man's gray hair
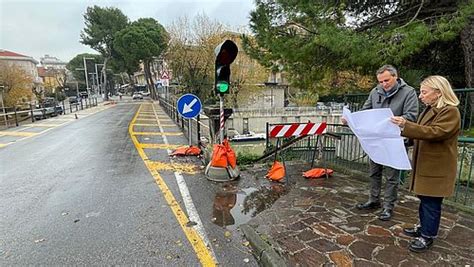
[(389, 68)]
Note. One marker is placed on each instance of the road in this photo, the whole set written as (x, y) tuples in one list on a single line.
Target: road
[(101, 189)]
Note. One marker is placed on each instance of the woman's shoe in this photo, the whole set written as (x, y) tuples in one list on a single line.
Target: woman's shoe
[(420, 244)]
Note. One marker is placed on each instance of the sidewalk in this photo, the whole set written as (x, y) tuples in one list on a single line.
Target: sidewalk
[(317, 223)]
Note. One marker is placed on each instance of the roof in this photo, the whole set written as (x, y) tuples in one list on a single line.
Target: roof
[(6, 53), (9, 55)]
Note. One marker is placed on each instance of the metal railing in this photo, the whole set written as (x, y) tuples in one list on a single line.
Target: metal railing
[(14, 116), (346, 155)]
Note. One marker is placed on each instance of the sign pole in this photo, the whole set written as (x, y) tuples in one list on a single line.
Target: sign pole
[(221, 107), (190, 132)]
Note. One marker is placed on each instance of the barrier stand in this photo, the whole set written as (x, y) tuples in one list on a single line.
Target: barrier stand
[(319, 147), (299, 131)]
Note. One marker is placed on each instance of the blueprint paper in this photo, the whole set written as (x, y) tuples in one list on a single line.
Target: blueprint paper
[(379, 137)]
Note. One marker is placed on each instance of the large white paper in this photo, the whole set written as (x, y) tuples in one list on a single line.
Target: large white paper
[(379, 137)]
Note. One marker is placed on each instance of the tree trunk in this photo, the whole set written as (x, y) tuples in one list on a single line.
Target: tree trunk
[(149, 79), (467, 42)]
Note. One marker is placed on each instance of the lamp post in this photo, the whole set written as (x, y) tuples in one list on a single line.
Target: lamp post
[(97, 77), (3, 106), (85, 72)]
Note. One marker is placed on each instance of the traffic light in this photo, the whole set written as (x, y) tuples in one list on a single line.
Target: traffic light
[(226, 52)]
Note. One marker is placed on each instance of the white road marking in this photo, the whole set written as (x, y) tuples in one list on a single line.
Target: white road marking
[(193, 214)]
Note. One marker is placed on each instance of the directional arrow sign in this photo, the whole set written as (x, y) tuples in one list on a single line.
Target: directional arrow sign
[(189, 106)]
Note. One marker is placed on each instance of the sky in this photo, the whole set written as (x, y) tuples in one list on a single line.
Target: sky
[(38, 27)]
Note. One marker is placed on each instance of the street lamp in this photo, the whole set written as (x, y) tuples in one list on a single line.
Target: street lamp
[(99, 84), (85, 72)]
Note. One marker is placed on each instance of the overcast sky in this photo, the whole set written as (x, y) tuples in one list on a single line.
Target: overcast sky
[(38, 27)]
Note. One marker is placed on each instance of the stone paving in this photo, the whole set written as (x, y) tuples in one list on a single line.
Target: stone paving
[(317, 223)]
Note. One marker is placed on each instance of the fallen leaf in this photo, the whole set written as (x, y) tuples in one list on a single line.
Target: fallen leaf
[(247, 243), (40, 240), (227, 234), (246, 260)]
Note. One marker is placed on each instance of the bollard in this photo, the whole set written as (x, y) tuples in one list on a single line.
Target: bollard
[(82, 105), (16, 118), (64, 109), (31, 111)]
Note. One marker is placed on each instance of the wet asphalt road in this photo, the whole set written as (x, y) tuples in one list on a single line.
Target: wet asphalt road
[(81, 194)]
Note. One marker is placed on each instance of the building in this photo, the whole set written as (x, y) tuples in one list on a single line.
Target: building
[(11, 59), (53, 72), (50, 62), (28, 64)]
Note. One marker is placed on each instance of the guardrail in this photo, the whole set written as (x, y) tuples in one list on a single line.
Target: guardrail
[(199, 125), (15, 117)]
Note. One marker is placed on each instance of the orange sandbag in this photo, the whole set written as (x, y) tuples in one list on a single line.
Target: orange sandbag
[(219, 156), (187, 151), (317, 173), (231, 158), (276, 172)]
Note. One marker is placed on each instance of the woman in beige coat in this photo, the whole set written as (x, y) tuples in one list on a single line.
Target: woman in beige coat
[(435, 154)]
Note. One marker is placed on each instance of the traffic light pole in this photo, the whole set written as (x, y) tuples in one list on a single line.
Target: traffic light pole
[(221, 107)]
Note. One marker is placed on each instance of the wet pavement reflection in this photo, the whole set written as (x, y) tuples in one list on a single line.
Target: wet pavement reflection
[(234, 206)]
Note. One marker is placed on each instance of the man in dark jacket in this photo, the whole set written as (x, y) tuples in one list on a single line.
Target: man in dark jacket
[(392, 92)]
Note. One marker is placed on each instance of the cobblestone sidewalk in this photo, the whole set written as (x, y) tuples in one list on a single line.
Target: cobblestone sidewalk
[(317, 223)]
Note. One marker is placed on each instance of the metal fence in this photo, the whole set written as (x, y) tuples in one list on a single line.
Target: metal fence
[(198, 129), (14, 116)]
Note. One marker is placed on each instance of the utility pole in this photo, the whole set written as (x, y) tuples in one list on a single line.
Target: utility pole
[(99, 83)]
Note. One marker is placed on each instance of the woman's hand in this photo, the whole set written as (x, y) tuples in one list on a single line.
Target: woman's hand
[(400, 121)]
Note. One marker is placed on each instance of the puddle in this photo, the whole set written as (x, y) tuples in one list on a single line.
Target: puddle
[(233, 206)]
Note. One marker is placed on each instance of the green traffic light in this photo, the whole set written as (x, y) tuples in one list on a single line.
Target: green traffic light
[(222, 87)]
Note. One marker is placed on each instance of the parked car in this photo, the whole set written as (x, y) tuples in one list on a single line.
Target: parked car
[(58, 110), (74, 100), (147, 93), (43, 113), (137, 95)]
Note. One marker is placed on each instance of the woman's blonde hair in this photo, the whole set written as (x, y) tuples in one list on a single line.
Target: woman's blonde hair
[(448, 97)]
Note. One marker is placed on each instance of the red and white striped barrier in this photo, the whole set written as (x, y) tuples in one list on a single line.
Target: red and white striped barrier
[(297, 129)]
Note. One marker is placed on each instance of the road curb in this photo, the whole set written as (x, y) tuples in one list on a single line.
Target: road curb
[(265, 253)]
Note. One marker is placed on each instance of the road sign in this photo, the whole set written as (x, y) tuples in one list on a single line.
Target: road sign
[(165, 75), (189, 106)]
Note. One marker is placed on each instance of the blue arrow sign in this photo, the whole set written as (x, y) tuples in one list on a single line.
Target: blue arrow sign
[(189, 106)]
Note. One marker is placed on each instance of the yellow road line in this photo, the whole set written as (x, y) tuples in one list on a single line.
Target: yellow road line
[(43, 125), (154, 125), (4, 145), (145, 124), (159, 146), (155, 133), (141, 119), (17, 133), (200, 248)]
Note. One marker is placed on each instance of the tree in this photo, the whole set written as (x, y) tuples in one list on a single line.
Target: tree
[(101, 26), (143, 40), (314, 40), (17, 84)]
